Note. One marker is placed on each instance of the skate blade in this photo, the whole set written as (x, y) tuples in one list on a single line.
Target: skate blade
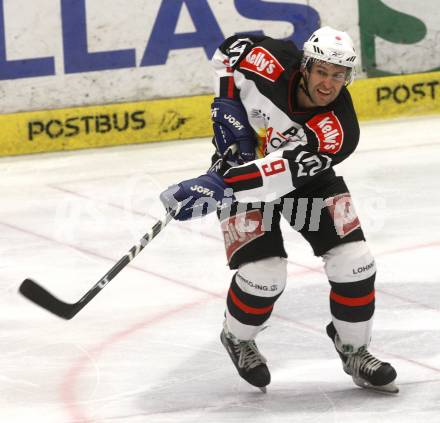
[(389, 388), (263, 389)]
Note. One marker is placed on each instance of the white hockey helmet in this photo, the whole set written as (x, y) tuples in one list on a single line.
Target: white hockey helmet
[(332, 46)]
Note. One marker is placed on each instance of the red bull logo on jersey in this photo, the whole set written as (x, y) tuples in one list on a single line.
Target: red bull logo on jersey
[(329, 132), (261, 62)]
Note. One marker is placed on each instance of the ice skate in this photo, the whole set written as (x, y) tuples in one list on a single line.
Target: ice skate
[(251, 365), (366, 370)]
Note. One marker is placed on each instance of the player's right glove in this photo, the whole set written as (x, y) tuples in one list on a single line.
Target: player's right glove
[(196, 197), (231, 126)]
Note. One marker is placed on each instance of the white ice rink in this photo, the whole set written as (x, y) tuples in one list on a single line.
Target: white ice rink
[(147, 348)]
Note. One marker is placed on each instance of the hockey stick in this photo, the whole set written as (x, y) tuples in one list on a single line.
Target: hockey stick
[(40, 296)]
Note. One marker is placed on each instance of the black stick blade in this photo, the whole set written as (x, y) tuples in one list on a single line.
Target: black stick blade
[(40, 296)]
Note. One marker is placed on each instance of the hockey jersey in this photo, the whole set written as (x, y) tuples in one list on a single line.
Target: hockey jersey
[(294, 145)]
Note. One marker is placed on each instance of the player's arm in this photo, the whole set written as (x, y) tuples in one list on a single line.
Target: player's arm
[(260, 180), (275, 175)]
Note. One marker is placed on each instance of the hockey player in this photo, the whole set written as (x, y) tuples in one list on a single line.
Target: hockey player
[(292, 118)]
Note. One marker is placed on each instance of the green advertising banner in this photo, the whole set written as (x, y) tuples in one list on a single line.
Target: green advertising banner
[(393, 41)]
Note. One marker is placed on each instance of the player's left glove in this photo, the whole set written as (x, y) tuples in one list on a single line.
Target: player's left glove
[(231, 126), (196, 197)]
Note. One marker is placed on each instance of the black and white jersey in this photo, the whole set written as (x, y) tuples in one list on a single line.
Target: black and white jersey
[(294, 145)]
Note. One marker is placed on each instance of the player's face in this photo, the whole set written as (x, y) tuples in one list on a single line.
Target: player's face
[(325, 81)]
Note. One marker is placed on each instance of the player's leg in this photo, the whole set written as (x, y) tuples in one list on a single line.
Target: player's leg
[(351, 271), (254, 247)]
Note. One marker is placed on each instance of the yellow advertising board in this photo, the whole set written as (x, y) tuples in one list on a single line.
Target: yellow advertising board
[(397, 96), (107, 125)]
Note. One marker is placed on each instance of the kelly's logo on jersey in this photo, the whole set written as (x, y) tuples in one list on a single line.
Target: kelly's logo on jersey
[(329, 132), (261, 62)]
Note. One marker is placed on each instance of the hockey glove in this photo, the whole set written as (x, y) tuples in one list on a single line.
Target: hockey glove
[(196, 197), (231, 126)]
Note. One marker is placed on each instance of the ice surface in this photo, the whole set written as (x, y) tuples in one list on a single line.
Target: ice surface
[(147, 348)]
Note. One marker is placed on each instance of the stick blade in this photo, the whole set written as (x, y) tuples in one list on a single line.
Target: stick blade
[(40, 296)]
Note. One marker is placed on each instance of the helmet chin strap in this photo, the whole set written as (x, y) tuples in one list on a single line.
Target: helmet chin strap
[(304, 86)]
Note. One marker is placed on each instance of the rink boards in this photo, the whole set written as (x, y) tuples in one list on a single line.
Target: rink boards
[(189, 117)]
